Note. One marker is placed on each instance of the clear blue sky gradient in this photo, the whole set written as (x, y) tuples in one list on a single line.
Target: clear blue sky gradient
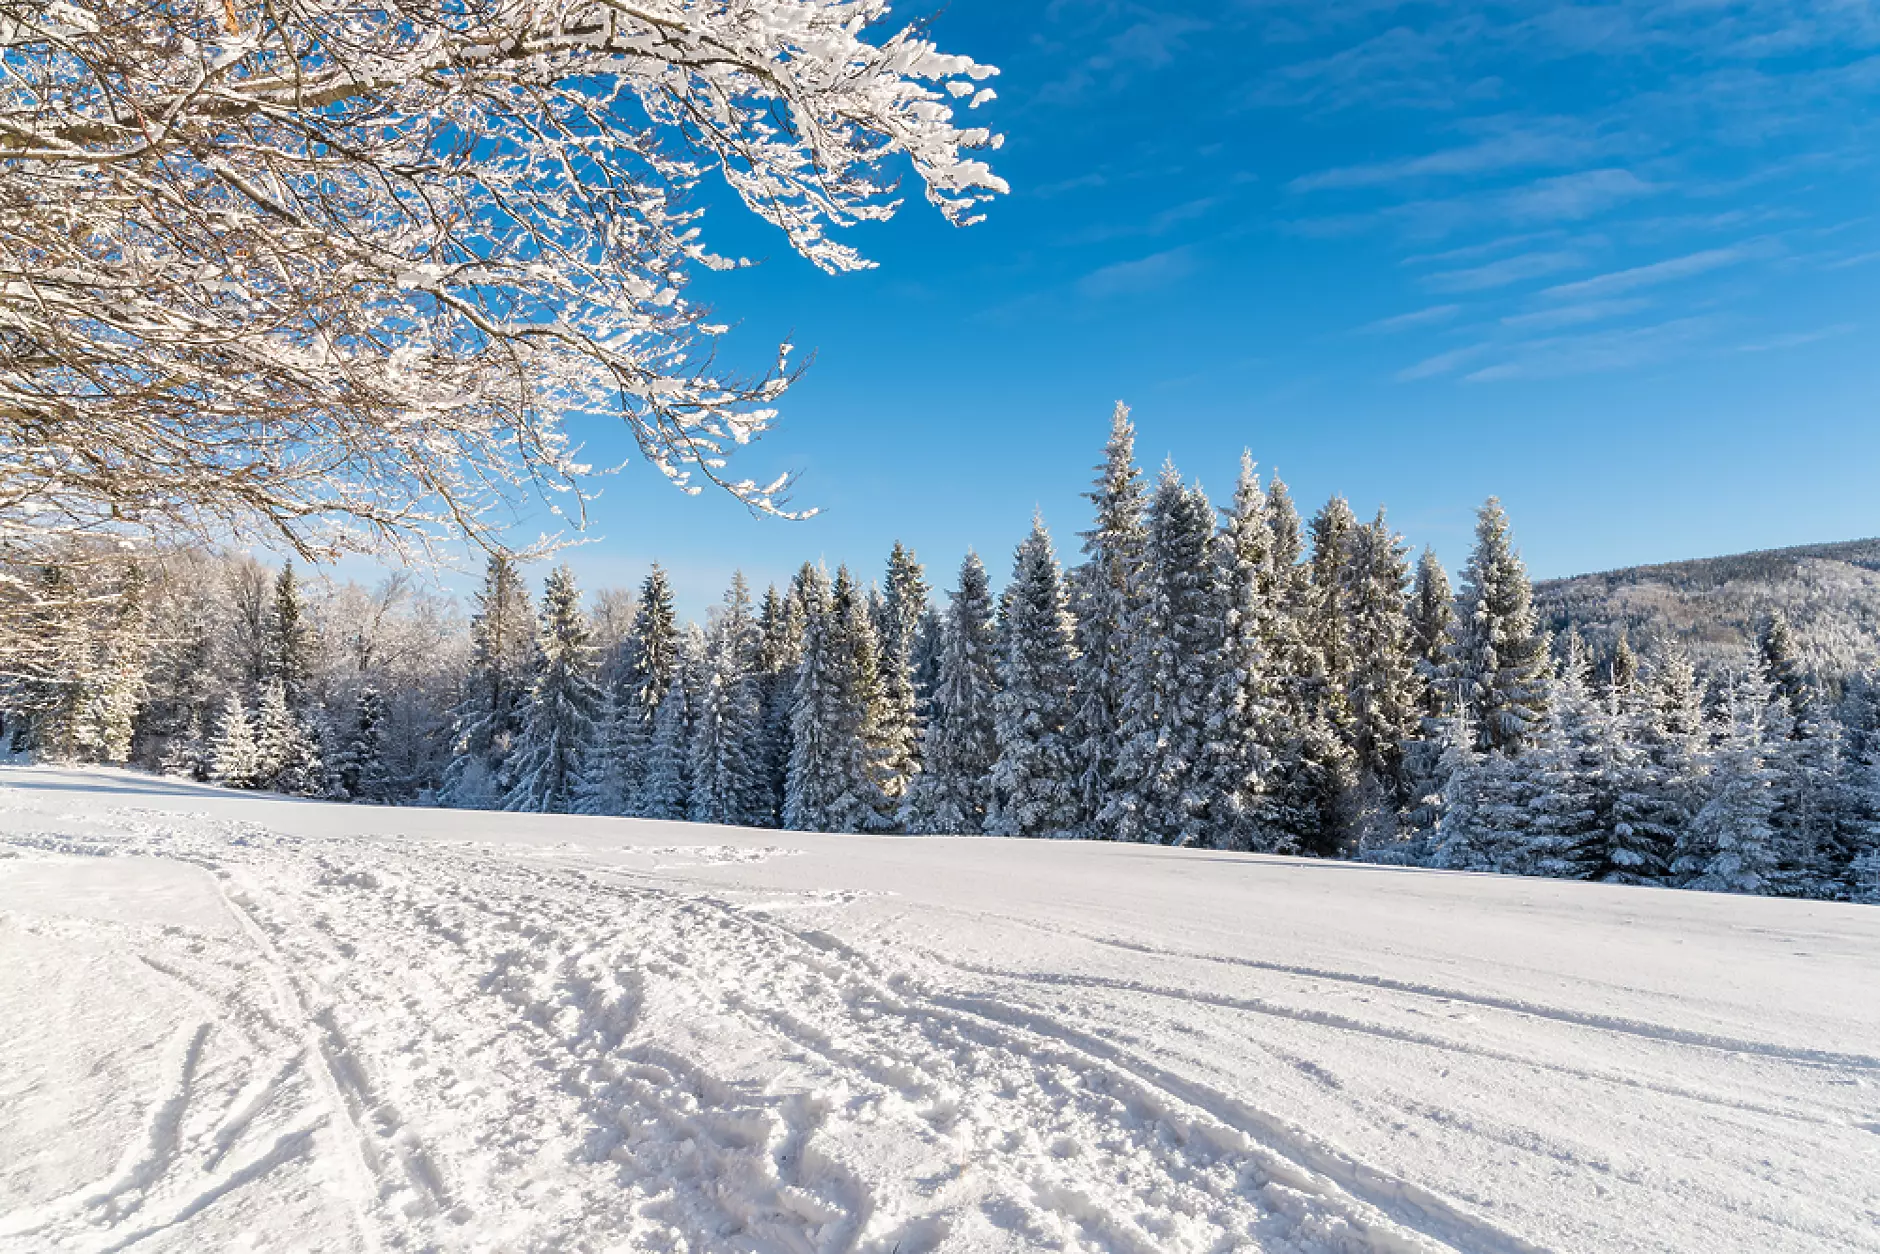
[(1613, 262)]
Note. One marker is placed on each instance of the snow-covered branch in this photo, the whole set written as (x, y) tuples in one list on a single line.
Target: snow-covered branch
[(352, 274)]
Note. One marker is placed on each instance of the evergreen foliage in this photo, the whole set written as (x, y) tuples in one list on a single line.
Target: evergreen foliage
[(1034, 782), (558, 726), (959, 745), (1497, 655)]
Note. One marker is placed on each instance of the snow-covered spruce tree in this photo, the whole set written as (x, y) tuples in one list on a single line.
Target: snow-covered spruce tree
[(664, 789), (1731, 844), (1432, 614), (781, 625), (1327, 613), (1244, 722), (1497, 654), (1622, 672), (558, 724), (275, 729), (1312, 785), (1105, 595), (1432, 617), (359, 766), (907, 600), (122, 664), (1034, 782), (1461, 837), (233, 762), (1568, 772), (830, 780), (869, 806), (959, 745), (496, 691), (1653, 767), (1383, 691), (728, 766), (615, 771), (1781, 666), (308, 409), (1160, 792), (290, 640)]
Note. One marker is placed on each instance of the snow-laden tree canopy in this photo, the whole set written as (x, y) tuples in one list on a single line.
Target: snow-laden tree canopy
[(353, 270)]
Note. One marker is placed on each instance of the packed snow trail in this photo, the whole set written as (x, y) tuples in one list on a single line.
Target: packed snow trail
[(244, 1023)]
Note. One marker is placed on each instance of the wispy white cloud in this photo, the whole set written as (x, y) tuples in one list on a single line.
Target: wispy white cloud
[(1622, 348), (1796, 339), (1668, 271), (1570, 197), (1516, 269), (1141, 275), (1501, 152), (1416, 318), (1441, 363), (1574, 315)]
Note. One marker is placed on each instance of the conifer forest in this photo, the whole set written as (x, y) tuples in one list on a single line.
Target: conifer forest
[(1225, 675)]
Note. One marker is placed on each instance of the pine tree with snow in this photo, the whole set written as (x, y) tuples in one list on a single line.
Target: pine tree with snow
[(1568, 767), (274, 733), (728, 766), (1329, 585), (1034, 782), (1782, 667), (1622, 673), (290, 640), (1497, 654), (233, 761), (614, 774), (831, 785), (558, 727), (1161, 785), (1382, 689), (1105, 596), (781, 624), (1461, 838), (489, 718), (122, 666), (359, 767), (959, 745), (1282, 518), (1432, 617), (906, 602), (1311, 795), (664, 791), (1731, 844), (1243, 722)]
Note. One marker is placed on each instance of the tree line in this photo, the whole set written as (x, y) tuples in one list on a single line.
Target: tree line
[(1234, 678)]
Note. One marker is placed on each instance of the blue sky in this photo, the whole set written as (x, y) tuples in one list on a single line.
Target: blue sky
[(1613, 262)]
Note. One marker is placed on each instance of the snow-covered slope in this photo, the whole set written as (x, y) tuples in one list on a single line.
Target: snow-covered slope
[(242, 1023)]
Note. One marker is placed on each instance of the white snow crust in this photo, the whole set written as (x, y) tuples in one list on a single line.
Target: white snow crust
[(233, 1022)]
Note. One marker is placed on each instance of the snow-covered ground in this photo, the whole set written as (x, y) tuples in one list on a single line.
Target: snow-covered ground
[(235, 1023)]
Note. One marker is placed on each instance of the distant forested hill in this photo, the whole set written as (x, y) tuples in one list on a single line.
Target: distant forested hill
[(1715, 606)]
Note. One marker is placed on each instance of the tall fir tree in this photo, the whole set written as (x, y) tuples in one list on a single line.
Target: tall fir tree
[(1105, 599), (959, 745), (1383, 690), (559, 723), (1161, 794), (489, 718), (233, 761), (614, 774), (1245, 726), (1034, 782), (359, 767), (664, 789), (728, 763), (1432, 618), (902, 609), (1329, 587), (1497, 654), (290, 640), (1731, 845), (832, 786)]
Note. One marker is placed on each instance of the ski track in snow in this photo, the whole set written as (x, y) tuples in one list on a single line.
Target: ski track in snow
[(469, 1046)]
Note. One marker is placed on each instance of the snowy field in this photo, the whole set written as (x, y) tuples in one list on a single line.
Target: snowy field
[(238, 1023)]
